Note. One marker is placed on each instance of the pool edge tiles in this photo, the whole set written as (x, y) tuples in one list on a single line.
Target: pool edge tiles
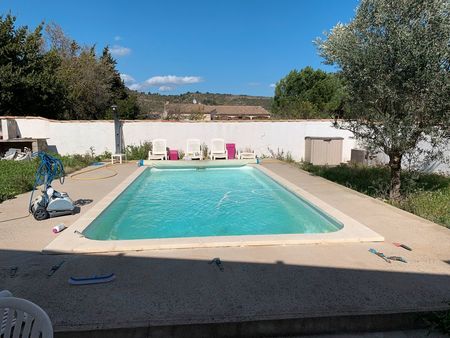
[(70, 242)]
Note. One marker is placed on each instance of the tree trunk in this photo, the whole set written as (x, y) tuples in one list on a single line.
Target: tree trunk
[(395, 164)]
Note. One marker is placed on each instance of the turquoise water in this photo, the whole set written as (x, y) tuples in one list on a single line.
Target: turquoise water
[(209, 202)]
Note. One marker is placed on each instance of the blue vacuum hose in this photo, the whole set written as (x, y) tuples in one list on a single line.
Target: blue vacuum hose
[(49, 168)]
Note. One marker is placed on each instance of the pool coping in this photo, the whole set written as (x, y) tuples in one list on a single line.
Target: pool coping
[(72, 241)]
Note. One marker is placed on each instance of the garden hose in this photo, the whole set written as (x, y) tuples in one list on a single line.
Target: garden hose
[(114, 173), (49, 168), (14, 218)]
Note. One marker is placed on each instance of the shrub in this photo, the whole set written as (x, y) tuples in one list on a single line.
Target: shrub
[(205, 150), (280, 155), (425, 195), (17, 177), (138, 152)]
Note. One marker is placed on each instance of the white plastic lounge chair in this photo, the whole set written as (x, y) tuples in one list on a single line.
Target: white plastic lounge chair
[(246, 155), (218, 149), (11, 154), (22, 318), (159, 150), (194, 149)]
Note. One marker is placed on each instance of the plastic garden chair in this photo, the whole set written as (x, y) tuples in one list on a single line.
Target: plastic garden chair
[(194, 149), (159, 150), (22, 318), (218, 149)]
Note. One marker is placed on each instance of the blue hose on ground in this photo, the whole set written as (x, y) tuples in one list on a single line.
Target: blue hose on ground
[(49, 168)]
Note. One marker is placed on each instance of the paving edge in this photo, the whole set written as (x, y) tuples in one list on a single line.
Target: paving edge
[(261, 328)]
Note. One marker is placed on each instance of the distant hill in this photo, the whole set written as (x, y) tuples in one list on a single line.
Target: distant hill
[(150, 103)]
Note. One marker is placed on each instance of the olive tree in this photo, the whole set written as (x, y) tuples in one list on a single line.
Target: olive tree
[(394, 59)]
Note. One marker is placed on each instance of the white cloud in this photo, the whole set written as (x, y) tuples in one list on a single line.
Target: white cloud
[(165, 88), (272, 85), (136, 86), (172, 80), (128, 79), (164, 83), (117, 50), (117, 38)]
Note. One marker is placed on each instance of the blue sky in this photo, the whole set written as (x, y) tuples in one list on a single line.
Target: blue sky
[(171, 47)]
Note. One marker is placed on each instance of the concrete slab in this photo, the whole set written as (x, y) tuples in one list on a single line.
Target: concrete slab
[(73, 242), (271, 290)]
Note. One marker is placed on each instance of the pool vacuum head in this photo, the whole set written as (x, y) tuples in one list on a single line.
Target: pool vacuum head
[(51, 203)]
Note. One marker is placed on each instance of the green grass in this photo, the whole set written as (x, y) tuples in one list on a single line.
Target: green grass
[(425, 195), (17, 177)]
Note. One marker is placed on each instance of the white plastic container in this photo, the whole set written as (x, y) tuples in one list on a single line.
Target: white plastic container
[(58, 228)]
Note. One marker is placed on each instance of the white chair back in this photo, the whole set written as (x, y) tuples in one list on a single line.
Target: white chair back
[(217, 146), (22, 318), (193, 146), (159, 146)]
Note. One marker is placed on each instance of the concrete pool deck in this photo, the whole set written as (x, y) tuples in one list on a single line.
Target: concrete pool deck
[(72, 242), (275, 290)]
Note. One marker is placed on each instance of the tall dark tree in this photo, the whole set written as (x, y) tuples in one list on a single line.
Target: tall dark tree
[(28, 81), (308, 93), (125, 100)]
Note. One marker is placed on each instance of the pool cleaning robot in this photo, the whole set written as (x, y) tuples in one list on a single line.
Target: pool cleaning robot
[(51, 203)]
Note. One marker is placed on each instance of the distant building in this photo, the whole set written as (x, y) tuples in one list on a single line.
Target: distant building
[(197, 111)]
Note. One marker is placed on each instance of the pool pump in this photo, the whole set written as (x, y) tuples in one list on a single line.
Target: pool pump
[(51, 203)]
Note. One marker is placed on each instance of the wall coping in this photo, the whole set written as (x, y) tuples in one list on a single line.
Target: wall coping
[(164, 121)]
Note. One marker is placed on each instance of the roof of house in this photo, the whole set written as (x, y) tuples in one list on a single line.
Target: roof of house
[(241, 110), (190, 108), (187, 108)]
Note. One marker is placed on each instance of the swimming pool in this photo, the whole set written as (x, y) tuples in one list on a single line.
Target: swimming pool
[(174, 203)]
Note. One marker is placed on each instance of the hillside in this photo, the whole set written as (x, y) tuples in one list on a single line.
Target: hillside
[(149, 103)]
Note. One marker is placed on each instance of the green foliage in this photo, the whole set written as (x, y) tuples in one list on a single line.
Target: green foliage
[(205, 150), (196, 116), (425, 195), (63, 81), (150, 103), (308, 93), (128, 107), (394, 59), (17, 177), (432, 205), (138, 152), (28, 81), (281, 155)]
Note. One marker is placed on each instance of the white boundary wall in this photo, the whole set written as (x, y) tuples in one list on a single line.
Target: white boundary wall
[(77, 137)]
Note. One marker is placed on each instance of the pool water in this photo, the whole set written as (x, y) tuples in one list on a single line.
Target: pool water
[(169, 203)]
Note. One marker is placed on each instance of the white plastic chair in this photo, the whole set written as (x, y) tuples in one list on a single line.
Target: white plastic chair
[(22, 318), (11, 154), (246, 155), (218, 149), (159, 150), (194, 149)]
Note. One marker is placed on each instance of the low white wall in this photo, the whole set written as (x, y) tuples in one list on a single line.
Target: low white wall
[(71, 137)]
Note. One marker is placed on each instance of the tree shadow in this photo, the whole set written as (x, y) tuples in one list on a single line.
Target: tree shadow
[(156, 295)]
